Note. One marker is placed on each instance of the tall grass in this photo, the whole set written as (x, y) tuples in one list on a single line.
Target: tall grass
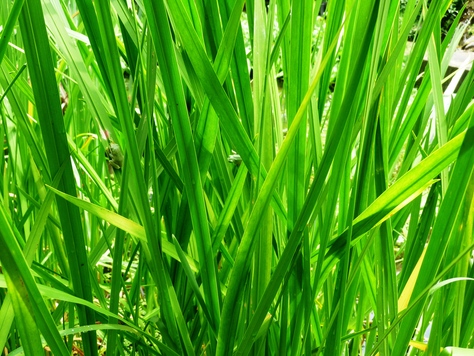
[(234, 177)]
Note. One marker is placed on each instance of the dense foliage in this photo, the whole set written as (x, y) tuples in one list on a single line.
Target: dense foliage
[(234, 177)]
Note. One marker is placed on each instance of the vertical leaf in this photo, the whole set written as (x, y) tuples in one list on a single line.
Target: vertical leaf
[(45, 89)]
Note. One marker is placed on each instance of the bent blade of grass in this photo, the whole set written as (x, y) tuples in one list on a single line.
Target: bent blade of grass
[(374, 215), (132, 228), (450, 208), (77, 153), (124, 224), (56, 294), (420, 297), (392, 200)]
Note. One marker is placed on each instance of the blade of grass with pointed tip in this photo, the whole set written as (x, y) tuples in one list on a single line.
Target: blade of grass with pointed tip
[(245, 249), (375, 214), (442, 229), (164, 47), (9, 26), (229, 120), (46, 93), (121, 222)]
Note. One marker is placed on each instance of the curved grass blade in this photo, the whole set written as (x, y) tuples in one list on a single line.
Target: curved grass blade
[(380, 210), (123, 223)]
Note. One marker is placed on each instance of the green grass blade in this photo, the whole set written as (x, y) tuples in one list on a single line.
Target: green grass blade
[(187, 153), (26, 298), (442, 229), (50, 116)]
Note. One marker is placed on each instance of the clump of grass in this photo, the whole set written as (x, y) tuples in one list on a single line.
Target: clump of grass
[(280, 181)]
